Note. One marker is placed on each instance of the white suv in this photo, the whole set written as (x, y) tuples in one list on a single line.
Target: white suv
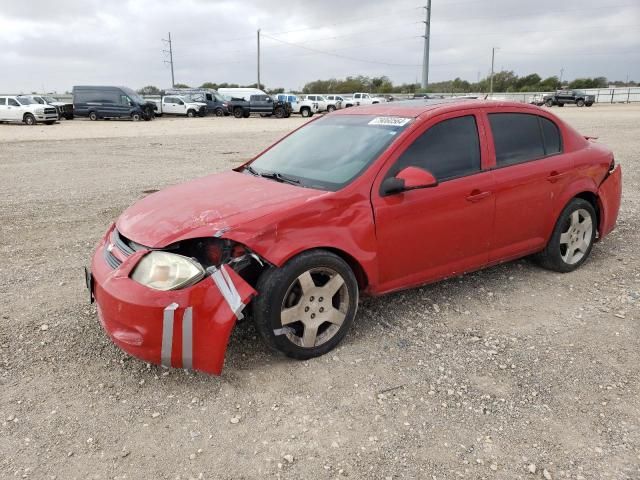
[(330, 104), (19, 108)]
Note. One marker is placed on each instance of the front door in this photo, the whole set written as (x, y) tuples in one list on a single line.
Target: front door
[(432, 233), (3, 108), (14, 111)]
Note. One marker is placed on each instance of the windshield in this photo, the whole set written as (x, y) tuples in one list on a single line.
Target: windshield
[(49, 99), (133, 95), (329, 153), (25, 101)]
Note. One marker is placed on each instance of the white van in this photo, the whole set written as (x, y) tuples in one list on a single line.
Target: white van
[(243, 93)]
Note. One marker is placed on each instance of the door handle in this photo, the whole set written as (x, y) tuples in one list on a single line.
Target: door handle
[(555, 176), (477, 195)]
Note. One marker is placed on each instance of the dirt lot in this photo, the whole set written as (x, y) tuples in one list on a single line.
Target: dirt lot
[(494, 375)]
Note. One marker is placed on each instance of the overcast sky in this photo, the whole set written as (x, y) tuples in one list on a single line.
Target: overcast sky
[(53, 45)]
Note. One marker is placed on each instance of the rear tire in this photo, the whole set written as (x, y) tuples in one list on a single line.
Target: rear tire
[(331, 108), (549, 103), (50, 122), (561, 104), (93, 116), (237, 112), (588, 104), (29, 119), (136, 117), (572, 238), (306, 307), (305, 112), (246, 114), (279, 112), (219, 112), (580, 103)]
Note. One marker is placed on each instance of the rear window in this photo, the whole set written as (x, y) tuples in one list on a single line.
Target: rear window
[(520, 137)]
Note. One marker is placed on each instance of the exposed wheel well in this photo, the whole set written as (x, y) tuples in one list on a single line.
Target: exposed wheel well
[(358, 271), (593, 200)]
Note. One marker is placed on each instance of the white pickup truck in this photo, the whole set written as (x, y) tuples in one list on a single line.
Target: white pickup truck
[(19, 108), (300, 105), (179, 105), (360, 98)]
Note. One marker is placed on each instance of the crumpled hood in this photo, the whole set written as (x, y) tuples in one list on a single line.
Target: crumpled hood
[(207, 205)]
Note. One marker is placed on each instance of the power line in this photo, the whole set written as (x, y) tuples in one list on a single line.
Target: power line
[(340, 56), (350, 22)]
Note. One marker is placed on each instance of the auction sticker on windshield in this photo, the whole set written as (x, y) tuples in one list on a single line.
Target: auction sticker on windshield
[(390, 121)]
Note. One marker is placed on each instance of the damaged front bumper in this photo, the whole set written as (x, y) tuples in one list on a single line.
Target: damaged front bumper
[(186, 328)]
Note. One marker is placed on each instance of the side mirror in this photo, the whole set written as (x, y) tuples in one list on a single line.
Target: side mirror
[(409, 178)]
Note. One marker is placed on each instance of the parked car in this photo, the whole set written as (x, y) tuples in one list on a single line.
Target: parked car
[(261, 103), (320, 100), (65, 110), (215, 102), (337, 98), (242, 93), (300, 105), (562, 97), (98, 102), (364, 99), (20, 108), (537, 99), (363, 201), (179, 105)]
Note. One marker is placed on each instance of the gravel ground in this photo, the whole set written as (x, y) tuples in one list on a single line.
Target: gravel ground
[(513, 372)]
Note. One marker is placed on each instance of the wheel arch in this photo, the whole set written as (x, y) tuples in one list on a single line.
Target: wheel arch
[(592, 198)]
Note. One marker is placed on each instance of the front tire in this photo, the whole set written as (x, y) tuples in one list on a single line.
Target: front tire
[(305, 112), (93, 116), (305, 308), (561, 104), (549, 103), (279, 112), (29, 119), (580, 103), (219, 112), (572, 238), (331, 108), (237, 112), (191, 113), (136, 117)]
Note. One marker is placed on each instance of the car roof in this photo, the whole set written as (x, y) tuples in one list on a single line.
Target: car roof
[(415, 108)]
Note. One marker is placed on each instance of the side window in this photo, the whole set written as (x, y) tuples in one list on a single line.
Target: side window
[(39, 100), (518, 138), (448, 149), (124, 100), (209, 97), (3, 101), (179, 101), (12, 102), (551, 135)]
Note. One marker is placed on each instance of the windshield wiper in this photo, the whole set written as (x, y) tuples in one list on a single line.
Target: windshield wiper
[(280, 177)]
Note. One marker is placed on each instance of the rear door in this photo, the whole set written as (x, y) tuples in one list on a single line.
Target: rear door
[(530, 172), (431, 233)]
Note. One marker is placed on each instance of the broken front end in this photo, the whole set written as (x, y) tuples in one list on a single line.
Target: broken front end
[(174, 306)]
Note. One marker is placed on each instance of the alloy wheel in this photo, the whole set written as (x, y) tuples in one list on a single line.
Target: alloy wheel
[(314, 307), (575, 239)]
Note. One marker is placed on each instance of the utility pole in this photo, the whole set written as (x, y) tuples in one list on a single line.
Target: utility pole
[(493, 58), (425, 55), (258, 58), (561, 74), (170, 61)]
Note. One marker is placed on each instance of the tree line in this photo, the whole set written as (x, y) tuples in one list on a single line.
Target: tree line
[(503, 81)]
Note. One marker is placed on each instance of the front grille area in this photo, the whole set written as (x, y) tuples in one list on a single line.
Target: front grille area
[(112, 261), (124, 246), (50, 110)]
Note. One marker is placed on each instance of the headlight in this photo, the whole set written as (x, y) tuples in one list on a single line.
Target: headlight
[(39, 111), (167, 271)]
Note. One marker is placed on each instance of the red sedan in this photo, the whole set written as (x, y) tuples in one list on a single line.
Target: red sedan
[(364, 200)]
